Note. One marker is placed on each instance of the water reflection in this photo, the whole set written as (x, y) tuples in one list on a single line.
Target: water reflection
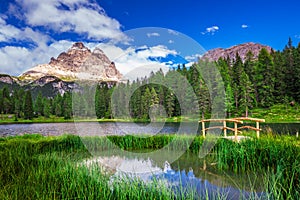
[(180, 181), (111, 128)]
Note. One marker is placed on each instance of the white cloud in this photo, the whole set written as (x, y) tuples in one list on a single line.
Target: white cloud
[(132, 59), (193, 58), (153, 34), (82, 17), (173, 32), (245, 26), (171, 41), (211, 30), (13, 59), (7, 32)]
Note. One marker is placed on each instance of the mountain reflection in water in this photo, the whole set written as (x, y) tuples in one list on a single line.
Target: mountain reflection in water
[(180, 181)]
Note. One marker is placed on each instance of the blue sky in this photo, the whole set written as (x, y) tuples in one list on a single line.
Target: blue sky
[(32, 31)]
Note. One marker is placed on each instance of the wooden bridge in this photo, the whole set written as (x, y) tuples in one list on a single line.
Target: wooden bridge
[(236, 129)]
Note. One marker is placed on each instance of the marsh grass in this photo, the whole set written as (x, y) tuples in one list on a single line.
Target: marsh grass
[(37, 167)]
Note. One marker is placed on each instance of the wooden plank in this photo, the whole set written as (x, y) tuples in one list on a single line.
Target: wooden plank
[(222, 120), (250, 119), (249, 127), (214, 127)]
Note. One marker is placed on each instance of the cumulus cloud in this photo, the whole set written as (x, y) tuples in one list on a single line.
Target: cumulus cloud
[(10, 33), (153, 34), (9, 55), (79, 16), (128, 60), (245, 26), (171, 41), (82, 17), (211, 30)]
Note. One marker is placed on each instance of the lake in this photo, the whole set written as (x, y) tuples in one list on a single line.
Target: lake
[(187, 173), (112, 128)]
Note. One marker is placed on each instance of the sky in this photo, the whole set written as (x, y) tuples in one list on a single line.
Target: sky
[(139, 32)]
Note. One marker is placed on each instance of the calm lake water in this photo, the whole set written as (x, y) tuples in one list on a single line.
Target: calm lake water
[(112, 128), (188, 172)]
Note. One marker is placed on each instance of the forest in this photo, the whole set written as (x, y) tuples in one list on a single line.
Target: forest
[(272, 78)]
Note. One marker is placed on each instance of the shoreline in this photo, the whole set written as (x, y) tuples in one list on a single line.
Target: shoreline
[(6, 122)]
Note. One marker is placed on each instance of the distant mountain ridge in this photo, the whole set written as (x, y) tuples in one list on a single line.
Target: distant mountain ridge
[(231, 52)]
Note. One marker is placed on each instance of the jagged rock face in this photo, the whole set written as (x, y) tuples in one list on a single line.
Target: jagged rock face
[(77, 63), (242, 50), (6, 79)]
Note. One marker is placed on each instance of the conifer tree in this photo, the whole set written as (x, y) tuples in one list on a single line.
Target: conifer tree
[(28, 106)]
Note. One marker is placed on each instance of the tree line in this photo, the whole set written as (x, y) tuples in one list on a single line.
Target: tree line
[(21, 103), (272, 78)]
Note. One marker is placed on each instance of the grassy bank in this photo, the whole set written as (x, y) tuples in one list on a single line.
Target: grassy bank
[(278, 113), (37, 167)]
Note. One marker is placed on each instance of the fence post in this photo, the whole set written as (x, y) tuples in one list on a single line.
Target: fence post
[(257, 131), (203, 128), (225, 128), (235, 131)]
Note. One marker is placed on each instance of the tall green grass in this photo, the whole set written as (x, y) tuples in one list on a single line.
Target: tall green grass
[(34, 167), (37, 167), (277, 158)]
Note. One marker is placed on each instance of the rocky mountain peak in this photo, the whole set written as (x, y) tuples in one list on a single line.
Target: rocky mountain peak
[(231, 52), (77, 61), (78, 45)]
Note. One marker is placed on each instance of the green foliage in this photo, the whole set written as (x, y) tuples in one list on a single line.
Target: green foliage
[(37, 167), (28, 106), (273, 78)]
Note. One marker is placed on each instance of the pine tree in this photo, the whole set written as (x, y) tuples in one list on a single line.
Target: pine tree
[(170, 103), (46, 107), (67, 105), (280, 85), (146, 103), (38, 107), (264, 79), (247, 93), (28, 106), (154, 97), (6, 101), (229, 100)]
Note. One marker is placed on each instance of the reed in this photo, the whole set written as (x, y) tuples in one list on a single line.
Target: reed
[(37, 167)]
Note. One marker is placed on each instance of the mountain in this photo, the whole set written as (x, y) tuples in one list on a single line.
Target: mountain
[(61, 73), (242, 50), (78, 62)]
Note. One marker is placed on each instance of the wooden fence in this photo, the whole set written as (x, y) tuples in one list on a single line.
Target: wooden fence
[(236, 129)]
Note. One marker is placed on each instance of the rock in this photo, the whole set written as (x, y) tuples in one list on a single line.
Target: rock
[(6, 79), (242, 50), (78, 62)]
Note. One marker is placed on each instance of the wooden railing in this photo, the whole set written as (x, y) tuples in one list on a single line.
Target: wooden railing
[(236, 121)]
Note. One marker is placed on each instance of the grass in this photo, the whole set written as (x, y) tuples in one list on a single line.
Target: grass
[(37, 167), (278, 113)]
